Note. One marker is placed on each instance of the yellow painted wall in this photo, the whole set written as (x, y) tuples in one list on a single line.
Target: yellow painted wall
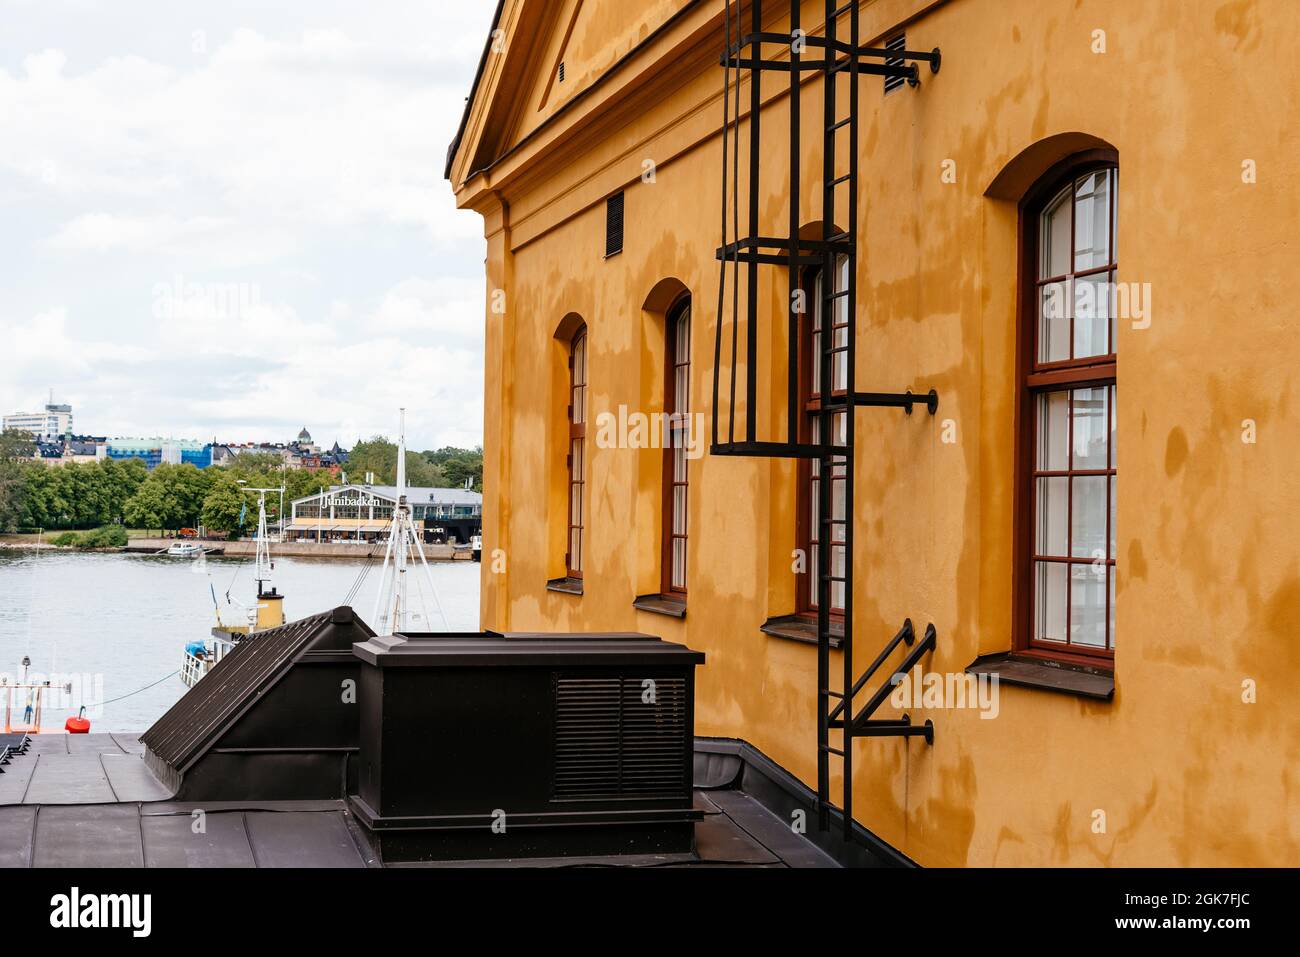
[(1209, 555)]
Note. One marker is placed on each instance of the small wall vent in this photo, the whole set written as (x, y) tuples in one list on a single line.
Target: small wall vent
[(614, 225), (561, 71), (897, 43)]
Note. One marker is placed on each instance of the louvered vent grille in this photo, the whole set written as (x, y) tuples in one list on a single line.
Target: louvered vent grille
[(897, 43), (610, 742), (614, 224)]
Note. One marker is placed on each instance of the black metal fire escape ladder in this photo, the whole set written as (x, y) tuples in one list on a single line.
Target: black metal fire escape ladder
[(748, 55)]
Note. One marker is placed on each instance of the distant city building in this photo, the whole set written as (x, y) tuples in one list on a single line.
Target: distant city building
[(55, 421), (362, 513), (71, 448), (155, 452), (301, 453)]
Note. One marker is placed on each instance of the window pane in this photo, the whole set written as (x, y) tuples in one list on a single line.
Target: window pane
[(1093, 307), (1053, 431), (679, 510), (679, 563), (575, 549), (1054, 237), (1087, 606), (679, 462), (1092, 221), (1091, 426), (815, 357), (1049, 601), (1053, 323), (1088, 517), (837, 569), (1052, 511)]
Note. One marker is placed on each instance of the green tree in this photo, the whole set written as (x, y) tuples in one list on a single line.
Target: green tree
[(458, 465), (183, 489), (148, 507), (122, 479), (380, 456), (16, 446), (224, 504)]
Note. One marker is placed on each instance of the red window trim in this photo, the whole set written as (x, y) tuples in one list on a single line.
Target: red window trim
[(810, 403), (1035, 378)]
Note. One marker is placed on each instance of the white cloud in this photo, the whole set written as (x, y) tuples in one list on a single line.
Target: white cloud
[(241, 216)]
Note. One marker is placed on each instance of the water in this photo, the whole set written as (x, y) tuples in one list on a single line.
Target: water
[(122, 621)]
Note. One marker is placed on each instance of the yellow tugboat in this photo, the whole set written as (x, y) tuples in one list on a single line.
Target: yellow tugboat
[(266, 612)]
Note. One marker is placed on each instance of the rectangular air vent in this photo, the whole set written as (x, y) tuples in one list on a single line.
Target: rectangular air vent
[(611, 741), (614, 225), (561, 71), (897, 43)]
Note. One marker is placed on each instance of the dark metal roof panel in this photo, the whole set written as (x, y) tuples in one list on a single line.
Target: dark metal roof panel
[(522, 649), (205, 712)]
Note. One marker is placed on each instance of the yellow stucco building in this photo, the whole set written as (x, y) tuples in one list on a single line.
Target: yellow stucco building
[(1078, 231)]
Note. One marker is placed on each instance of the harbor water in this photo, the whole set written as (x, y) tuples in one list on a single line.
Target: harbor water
[(113, 624)]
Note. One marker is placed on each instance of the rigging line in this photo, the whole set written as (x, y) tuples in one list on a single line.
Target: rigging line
[(100, 704), (429, 576), (361, 577)]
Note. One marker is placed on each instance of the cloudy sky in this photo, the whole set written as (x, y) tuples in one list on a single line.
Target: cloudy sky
[(229, 218)]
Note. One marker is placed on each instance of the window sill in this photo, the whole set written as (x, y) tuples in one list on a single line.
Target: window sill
[(661, 605), (1025, 671), (567, 586), (801, 628)]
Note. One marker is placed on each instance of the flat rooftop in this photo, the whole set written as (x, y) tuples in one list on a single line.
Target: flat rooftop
[(91, 801)]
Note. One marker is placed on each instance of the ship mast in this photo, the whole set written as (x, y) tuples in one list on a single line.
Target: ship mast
[(263, 566), (392, 608)]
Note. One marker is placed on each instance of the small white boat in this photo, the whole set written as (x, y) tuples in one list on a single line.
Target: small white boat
[(185, 549)]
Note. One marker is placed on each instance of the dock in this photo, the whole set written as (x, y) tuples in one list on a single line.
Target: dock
[(247, 548)]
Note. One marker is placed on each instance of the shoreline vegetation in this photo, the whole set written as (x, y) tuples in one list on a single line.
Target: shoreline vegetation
[(96, 497), (238, 550)]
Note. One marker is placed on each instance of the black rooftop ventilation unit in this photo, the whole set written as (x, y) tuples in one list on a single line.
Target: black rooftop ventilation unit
[(478, 747)]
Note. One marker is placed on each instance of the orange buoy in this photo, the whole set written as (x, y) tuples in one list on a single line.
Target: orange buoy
[(78, 725)]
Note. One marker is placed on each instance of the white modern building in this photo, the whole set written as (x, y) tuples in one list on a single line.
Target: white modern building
[(55, 421)]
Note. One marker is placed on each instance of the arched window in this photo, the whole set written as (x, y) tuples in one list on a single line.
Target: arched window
[(1067, 395), (677, 404), (577, 457), (821, 302)]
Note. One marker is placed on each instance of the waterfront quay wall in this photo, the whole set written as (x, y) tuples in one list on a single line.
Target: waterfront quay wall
[(352, 550)]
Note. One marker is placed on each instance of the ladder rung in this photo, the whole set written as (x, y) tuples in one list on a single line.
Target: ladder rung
[(827, 747), (840, 11), (839, 179), (839, 124), (833, 694)]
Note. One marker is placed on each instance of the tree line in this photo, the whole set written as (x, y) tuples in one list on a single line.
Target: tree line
[(124, 492)]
